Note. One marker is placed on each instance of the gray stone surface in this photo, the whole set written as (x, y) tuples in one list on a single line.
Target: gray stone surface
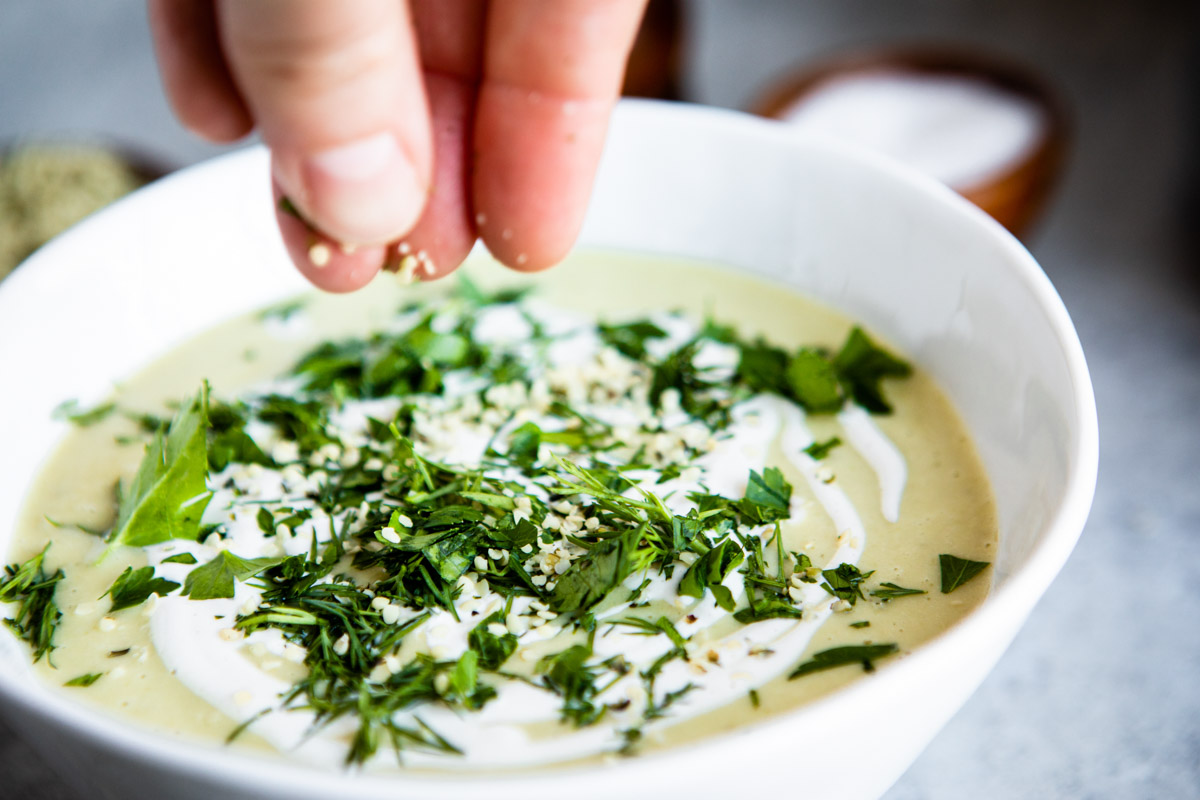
[(1098, 697)]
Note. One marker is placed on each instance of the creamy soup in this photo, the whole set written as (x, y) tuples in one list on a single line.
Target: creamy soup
[(455, 527)]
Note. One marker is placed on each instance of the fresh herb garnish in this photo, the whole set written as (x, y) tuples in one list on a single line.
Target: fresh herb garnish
[(132, 587), (630, 339), (558, 517), (282, 311), (863, 365), (845, 582), (32, 588), (840, 656), (710, 570), (957, 571), (818, 451), (215, 579), (70, 411), (168, 495), (891, 590), (85, 680)]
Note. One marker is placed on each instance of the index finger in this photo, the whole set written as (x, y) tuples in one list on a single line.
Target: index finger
[(551, 75)]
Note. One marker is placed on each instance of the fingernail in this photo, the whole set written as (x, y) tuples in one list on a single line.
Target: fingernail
[(366, 191)]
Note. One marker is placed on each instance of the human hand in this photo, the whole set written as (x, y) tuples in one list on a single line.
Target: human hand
[(407, 128)]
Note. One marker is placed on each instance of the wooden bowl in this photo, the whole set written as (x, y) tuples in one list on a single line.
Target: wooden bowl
[(1016, 194)]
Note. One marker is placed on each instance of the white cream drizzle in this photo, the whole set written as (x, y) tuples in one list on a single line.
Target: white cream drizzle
[(189, 639)]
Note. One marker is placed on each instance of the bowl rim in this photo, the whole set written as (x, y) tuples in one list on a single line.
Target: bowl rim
[(1012, 600)]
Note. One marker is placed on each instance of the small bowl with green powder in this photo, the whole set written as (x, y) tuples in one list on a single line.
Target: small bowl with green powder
[(47, 187)]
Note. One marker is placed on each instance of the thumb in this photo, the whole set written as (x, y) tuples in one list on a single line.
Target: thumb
[(336, 92)]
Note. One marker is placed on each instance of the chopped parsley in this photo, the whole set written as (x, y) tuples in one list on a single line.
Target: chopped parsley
[(32, 589), (85, 680), (845, 582), (957, 571), (888, 591), (819, 451), (865, 655), (391, 532), (132, 587), (83, 417)]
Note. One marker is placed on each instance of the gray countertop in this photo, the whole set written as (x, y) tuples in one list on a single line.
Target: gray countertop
[(1098, 696)]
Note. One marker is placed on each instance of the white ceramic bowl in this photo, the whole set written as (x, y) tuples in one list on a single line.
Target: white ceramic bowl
[(901, 253)]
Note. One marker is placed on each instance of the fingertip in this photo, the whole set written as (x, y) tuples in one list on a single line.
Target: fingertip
[(328, 265), (536, 164), (445, 233), (533, 252), (366, 191)]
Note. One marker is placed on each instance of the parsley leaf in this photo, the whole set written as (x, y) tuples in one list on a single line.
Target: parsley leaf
[(568, 675), (180, 558), (845, 582), (818, 451), (168, 495), (762, 367), (709, 570), (862, 364), (228, 441), (839, 656), (493, 650), (132, 587), (215, 579), (593, 576), (957, 571), (814, 382), (630, 339), (768, 496), (524, 444)]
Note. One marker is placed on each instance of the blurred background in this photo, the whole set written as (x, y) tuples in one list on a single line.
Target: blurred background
[(1080, 126)]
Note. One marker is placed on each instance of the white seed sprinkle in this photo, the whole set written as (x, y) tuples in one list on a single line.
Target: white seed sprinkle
[(342, 645), (319, 255)]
